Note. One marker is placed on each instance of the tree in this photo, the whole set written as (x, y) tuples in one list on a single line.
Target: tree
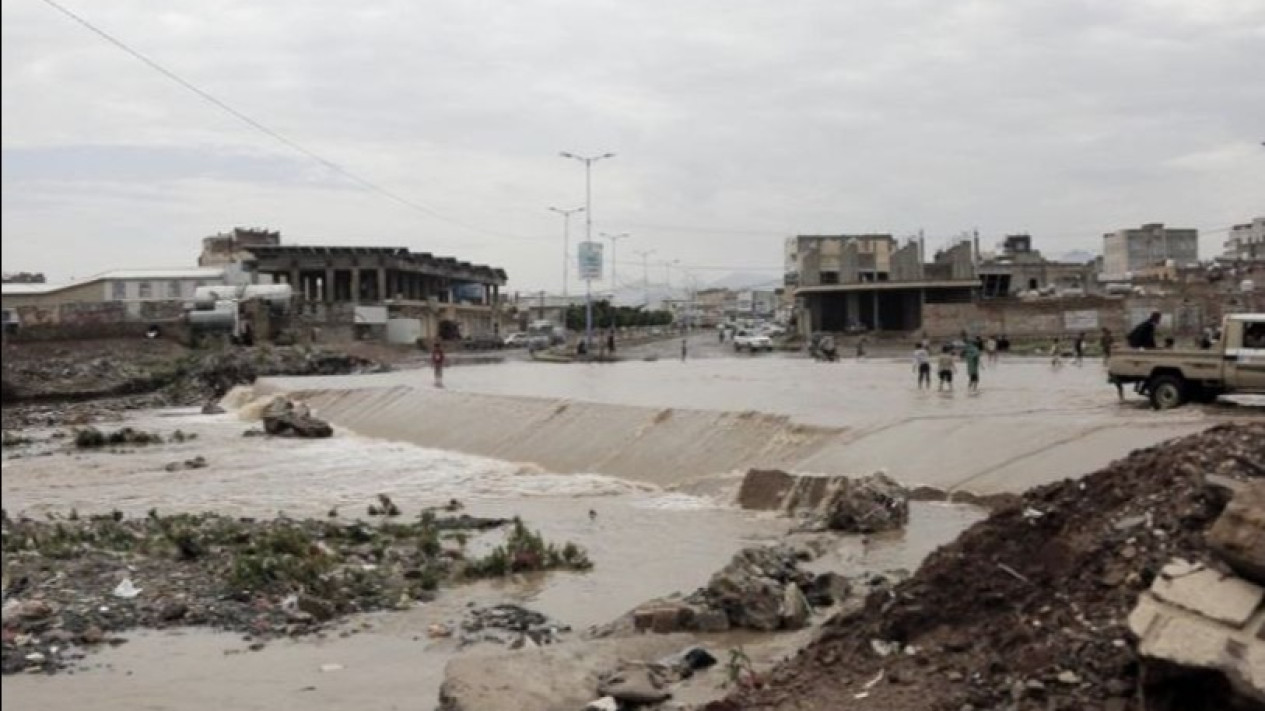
[(24, 278)]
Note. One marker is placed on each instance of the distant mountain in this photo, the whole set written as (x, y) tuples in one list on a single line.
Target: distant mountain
[(739, 281), (1077, 256)]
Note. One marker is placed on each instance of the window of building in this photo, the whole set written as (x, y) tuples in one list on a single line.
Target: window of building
[(173, 289), (118, 290), (145, 290)]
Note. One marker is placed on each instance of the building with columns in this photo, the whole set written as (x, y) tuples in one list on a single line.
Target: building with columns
[(448, 297)]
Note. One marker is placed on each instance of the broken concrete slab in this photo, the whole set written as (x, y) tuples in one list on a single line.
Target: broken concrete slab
[(560, 676), (1238, 536), (1209, 593), (1175, 636)]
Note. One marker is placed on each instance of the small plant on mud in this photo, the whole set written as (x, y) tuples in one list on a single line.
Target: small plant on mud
[(739, 671), (15, 440), (428, 535), (525, 550)]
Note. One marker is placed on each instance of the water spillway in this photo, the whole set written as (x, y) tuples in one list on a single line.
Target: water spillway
[(1005, 442), (664, 447)]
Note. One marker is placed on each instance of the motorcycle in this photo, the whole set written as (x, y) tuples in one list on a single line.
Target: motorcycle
[(822, 348)]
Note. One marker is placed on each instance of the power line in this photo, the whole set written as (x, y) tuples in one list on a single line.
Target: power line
[(267, 131)]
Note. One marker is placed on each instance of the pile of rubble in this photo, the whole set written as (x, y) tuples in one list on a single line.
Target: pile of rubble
[(287, 418), (69, 388), (867, 504), (763, 589), (1136, 587), (74, 583)]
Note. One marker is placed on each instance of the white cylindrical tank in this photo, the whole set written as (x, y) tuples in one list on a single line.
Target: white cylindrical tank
[(1247, 286), (274, 294), (214, 320), (206, 297)]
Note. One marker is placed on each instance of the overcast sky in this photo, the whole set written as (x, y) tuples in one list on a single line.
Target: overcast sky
[(736, 124)]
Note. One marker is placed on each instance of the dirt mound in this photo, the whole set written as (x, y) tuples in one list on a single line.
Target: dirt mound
[(69, 386), (1028, 609)]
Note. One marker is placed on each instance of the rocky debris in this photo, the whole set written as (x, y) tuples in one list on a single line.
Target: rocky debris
[(1031, 609), (1196, 626), (510, 625), (635, 686), (1238, 536), (561, 676), (829, 502), (93, 438), (761, 589), (286, 418), (198, 462), (212, 408), (80, 385), (75, 581), (866, 505)]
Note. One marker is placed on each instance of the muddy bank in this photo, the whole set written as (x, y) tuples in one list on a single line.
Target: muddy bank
[(1029, 609), (88, 382)]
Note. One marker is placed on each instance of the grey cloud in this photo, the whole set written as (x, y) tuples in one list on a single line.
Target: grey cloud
[(1063, 117)]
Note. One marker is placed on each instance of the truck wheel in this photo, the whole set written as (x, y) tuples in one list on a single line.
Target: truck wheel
[(1167, 392)]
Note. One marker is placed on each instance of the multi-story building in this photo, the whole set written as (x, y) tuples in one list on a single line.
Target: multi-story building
[(818, 260), (870, 282), (1152, 245), (118, 295), (1246, 242), (1019, 268)]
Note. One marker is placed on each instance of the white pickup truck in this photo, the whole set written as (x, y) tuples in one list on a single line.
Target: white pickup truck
[(1170, 378), (752, 341)]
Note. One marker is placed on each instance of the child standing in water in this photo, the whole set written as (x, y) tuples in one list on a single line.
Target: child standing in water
[(922, 366), (947, 368), (972, 358)]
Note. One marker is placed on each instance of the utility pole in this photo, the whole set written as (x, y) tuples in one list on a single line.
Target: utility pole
[(566, 241), (588, 162)]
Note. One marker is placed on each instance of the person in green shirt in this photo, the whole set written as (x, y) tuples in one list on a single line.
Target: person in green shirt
[(972, 358)]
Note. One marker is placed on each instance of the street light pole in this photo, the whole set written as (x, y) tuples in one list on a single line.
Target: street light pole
[(588, 162), (645, 275), (615, 264), (566, 241)]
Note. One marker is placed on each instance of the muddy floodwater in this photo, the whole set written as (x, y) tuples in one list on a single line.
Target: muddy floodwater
[(636, 461)]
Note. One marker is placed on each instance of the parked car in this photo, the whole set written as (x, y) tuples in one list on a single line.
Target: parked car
[(752, 341), (483, 342), (516, 340)]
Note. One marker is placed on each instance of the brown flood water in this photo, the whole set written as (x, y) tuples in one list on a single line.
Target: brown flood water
[(646, 542)]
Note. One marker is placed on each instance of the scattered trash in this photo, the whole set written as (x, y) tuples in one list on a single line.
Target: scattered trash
[(126, 590)]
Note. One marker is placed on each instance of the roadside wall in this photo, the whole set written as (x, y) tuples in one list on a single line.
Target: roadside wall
[(1185, 314)]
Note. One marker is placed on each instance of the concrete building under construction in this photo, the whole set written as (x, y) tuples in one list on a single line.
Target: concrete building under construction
[(870, 282), (428, 296)]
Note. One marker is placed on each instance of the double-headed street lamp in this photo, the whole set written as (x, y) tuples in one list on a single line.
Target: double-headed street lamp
[(645, 275), (566, 241), (588, 162), (615, 238)]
